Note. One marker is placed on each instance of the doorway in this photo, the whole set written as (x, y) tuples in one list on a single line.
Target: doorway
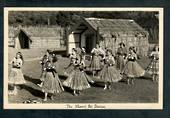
[(23, 40), (89, 43)]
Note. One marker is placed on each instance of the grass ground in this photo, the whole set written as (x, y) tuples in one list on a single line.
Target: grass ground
[(144, 90)]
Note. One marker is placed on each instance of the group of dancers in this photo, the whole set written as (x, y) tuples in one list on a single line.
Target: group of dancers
[(106, 66)]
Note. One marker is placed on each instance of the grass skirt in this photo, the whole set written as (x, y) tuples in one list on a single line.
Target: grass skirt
[(133, 69), (52, 84), (110, 74), (69, 69), (153, 67), (95, 63), (16, 77), (77, 80)]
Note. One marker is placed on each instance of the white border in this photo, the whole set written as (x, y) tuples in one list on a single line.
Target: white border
[(158, 105)]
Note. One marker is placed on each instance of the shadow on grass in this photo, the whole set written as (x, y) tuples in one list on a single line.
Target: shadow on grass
[(33, 80), (33, 91)]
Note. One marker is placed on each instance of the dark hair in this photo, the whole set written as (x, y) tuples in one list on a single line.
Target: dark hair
[(156, 46), (133, 49), (21, 56), (122, 44)]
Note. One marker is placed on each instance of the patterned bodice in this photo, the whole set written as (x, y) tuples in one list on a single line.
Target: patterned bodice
[(132, 57), (109, 60)]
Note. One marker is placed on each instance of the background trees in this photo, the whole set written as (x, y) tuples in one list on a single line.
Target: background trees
[(147, 20)]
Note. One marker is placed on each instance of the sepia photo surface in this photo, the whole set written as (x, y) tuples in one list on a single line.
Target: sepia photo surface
[(83, 58)]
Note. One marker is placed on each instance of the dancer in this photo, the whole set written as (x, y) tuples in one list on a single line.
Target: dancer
[(132, 69), (78, 80), (16, 77), (95, 65), (50, 81), (153, 67), (109, 74), (70, 67), (121, 55)]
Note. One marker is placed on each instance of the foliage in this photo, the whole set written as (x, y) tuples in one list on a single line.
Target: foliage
[(147, 20)]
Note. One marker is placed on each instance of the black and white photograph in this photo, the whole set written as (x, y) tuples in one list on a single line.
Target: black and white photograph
[(83, 58)]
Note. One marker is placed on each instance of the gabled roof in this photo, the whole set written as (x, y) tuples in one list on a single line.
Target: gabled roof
[(42, 31), (115, 25), (108, 27), (12, 32)]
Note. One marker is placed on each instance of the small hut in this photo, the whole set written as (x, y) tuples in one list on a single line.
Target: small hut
[(108, 33), (38, 37)]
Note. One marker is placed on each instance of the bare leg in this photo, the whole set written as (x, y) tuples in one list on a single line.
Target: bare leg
[(128, 81), (15, 90), (93, 73), (105, 86), (75, 93), (109, 86), (46, 94), (132, 80)]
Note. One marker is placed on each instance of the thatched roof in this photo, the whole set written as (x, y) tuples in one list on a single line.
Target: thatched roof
[(12, 32), (109, 27), (115, 25), (42, 31)]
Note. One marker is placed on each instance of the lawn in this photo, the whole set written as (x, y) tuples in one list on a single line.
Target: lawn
[(144, 90)]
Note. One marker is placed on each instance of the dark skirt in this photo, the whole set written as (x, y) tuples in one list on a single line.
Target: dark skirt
[(77, 80), (52, 84), (120, 62), (110, 74), (133, 69)]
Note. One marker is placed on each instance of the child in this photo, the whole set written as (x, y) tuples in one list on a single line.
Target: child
[(153, 67), (95, 65), (50, 81), (16, 76), (77, 80), (109, 73), (132, 69), (70, 67)]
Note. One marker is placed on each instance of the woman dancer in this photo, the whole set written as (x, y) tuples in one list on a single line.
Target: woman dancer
[(78, 80), (70, 67), (50, 81), (153, 67), (16, 77), (121, 55), (109, 74), (132, 69), (95, 65)]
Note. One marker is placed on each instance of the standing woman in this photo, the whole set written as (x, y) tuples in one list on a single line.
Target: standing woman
[(50, 81), (77, 80), (121, 55), (153, 67), (16, 77), (95, 65), (109, 74), (132, 69), (70, 67)]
